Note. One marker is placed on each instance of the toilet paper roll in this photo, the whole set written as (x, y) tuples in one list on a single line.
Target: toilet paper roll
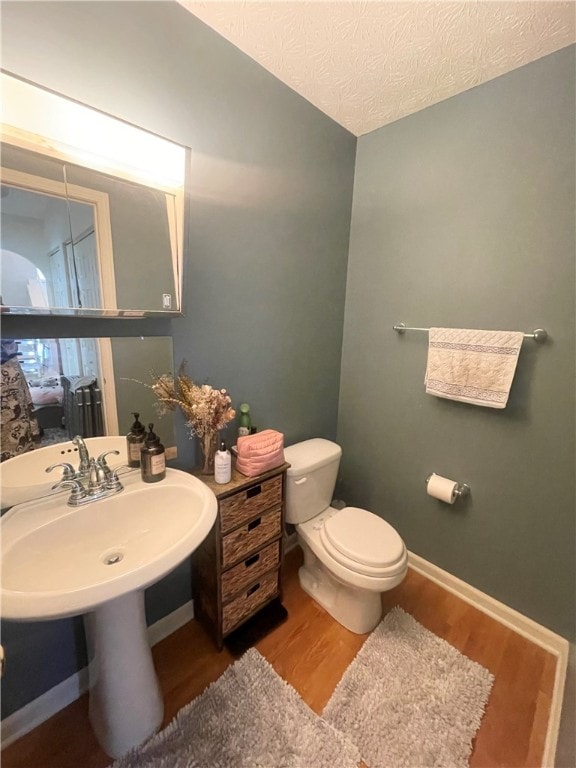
[(442, 488)]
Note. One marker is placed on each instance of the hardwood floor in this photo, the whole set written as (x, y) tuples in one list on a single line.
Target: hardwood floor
[(311, 651)]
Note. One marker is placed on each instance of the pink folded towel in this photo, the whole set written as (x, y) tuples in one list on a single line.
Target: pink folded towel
[(260, 452)]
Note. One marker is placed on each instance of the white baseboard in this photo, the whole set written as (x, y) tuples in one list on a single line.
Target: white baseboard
[(170, 623), (34, 713), (39, 710), (555, 644)]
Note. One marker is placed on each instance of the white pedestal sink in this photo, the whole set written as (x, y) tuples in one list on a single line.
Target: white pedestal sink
[(97, 560)]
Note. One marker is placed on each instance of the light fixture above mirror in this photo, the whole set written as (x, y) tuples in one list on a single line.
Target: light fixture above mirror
[(92, 210)]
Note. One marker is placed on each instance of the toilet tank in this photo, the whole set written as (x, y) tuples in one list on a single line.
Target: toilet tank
[(311, 478)]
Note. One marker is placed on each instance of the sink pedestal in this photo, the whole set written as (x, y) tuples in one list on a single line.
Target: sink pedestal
[(126, 703)]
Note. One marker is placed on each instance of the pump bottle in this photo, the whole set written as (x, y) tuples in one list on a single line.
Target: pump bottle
[(152, 458), (222, 465), (135, 441)]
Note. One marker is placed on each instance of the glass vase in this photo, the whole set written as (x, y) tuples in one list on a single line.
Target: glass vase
[(208, 445)]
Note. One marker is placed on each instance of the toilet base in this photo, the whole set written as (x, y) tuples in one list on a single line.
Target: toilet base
[(359, 610)]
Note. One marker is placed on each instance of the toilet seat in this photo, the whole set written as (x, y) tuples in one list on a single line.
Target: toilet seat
[(363, 542)]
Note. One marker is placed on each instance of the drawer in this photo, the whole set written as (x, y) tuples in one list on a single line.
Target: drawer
[(251, 536), (244, 505), (246, 572), (249, 601)]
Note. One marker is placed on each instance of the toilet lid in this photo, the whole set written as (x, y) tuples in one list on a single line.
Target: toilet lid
[(364, 538)]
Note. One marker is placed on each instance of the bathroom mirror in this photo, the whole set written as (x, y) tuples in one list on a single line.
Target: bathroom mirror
[(91, 230), (90, 386)]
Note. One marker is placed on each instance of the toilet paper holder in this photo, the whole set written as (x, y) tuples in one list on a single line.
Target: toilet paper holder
[(460, 491)]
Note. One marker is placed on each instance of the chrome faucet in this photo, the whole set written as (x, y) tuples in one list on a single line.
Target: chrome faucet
[(101, 481), (84, 466)]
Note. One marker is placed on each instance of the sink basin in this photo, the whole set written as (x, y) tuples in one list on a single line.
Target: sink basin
[(24, 477), (60, 561), (96, 560)]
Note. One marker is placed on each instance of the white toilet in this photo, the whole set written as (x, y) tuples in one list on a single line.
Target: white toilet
[(350, 555)]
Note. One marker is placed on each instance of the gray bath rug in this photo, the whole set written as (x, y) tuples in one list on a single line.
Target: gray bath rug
[(409, 699), (248, 718)]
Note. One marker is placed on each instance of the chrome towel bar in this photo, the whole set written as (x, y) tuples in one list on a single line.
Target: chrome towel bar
[(539, 334)]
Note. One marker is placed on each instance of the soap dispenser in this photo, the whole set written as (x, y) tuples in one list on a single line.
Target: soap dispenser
[(135, 441), (222, 465), (152, 458)]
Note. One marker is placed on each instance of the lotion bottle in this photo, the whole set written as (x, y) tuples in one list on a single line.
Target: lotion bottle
[(222, 465), (152, 458), (245, 421), (135, 441)]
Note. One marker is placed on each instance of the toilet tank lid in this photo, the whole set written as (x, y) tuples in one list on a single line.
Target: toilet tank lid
[(311, 454)]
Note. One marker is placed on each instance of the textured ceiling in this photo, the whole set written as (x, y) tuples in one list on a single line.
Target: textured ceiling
[(366, 64)]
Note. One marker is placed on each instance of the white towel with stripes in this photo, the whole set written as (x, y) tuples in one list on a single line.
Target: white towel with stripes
[(472, 366)]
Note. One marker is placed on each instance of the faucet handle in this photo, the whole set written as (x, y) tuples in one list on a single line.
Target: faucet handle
[(67, 474), (78, 491), (101, 461), (114, 483)]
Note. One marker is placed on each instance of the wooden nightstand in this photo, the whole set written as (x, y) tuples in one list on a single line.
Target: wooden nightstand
[(236, 569)]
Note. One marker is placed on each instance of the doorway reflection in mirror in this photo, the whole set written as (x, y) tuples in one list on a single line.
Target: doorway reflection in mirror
[(84, 386)]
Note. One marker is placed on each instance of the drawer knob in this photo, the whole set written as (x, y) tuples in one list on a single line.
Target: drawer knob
[(255, 491), (253, 589), (252, 560), (254, 524)]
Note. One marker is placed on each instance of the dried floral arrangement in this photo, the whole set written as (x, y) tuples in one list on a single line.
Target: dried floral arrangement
[(206, 409)]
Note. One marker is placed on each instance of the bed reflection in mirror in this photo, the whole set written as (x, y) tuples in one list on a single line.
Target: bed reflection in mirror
[(91, 386)]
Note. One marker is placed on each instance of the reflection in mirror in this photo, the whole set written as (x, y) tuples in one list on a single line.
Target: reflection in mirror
[(87, 230), (38, 245), (85, 387)]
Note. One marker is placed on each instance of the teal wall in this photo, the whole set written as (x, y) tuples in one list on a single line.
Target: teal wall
[(136, 361), (463, 216), (267, 240)]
